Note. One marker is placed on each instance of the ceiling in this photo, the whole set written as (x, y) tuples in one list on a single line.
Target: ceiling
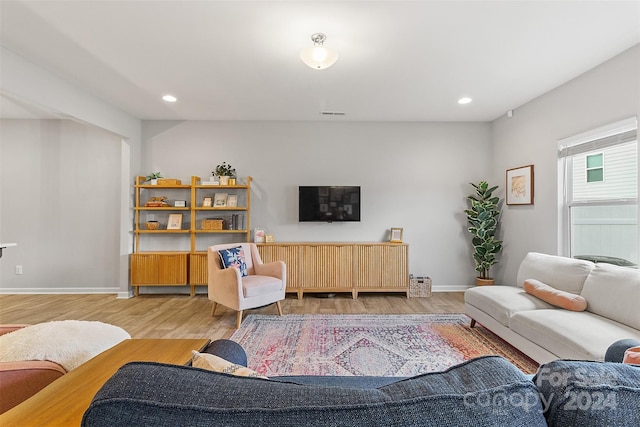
[(239, 60)]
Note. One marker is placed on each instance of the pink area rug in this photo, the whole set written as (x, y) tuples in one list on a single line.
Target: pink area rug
[(382, 345)]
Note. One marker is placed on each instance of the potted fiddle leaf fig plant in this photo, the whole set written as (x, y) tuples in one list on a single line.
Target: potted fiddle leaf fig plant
[(483, 218), (224, 171)]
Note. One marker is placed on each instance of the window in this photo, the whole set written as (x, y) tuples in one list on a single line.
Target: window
[(599, 214), (595, 169)]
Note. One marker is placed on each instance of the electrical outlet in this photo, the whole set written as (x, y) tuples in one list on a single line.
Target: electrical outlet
[(18, 269)]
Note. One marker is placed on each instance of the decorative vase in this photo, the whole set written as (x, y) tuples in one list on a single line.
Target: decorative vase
[(154, 182), (224, 180), (232, 181), (484, 282)]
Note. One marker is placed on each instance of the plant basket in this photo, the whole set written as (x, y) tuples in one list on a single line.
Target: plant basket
[(419, 287), (485, 282)]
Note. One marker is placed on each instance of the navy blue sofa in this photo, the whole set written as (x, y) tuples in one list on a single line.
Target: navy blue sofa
[(486, 391)]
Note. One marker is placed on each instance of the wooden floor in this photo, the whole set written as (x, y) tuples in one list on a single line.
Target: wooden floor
[(182, 316)]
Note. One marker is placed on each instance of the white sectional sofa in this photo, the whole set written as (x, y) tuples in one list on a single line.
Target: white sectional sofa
[(547, 332)]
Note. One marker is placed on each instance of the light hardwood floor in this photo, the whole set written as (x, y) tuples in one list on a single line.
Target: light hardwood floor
[(182, 316)]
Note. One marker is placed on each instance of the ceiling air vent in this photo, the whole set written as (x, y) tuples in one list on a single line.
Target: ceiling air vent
[(332, 113)]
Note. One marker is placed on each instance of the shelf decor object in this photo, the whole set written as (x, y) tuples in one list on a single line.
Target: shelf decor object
[(157, 202), (395, 236), (152, 178), (168, 181), (212, 224), (224, 172), (152, 225), (258, 235), (175, 222), (220, 200)]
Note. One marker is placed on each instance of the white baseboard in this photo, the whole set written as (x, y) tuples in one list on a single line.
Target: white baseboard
[(450, 288), (154, 290), (29, 291), (125, 295)]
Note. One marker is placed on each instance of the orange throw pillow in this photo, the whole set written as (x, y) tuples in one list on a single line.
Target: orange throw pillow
[(632, 356), (555, 296)]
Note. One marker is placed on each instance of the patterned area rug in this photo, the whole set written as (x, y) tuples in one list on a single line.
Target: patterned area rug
[(382, 345)]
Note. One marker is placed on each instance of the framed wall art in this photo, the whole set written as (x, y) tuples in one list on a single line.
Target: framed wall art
[(520, 185), (207, 202), (232, 200), (175, 222), (258, 235), (396, 235), (220, 200)]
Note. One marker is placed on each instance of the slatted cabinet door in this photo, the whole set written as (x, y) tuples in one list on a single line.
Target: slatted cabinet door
[(327, 267), (290, 254), (158, 269)]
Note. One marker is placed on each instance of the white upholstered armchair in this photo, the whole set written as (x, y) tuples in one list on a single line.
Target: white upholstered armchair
[(263, 284)]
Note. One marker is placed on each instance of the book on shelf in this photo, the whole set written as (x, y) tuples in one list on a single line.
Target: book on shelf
[(236, 222)]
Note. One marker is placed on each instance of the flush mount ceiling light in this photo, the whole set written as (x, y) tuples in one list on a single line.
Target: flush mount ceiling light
[(169, 98), (464, 100), (318, 57)]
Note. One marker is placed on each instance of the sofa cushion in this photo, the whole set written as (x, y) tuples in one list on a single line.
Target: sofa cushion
[(253, 286), (501, 302), (614, 292), (554, 296), (21, 380), (234, 257), (477, 392), (570, 334), (566, 274), (353, 381), (211, 362), (578, 393), (246, 247)]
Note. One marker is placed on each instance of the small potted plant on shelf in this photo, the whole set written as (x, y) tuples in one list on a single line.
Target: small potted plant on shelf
[(224, 172), (153, 178), (483, 219)]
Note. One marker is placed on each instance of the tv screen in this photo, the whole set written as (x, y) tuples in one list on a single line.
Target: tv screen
[(328, 204)]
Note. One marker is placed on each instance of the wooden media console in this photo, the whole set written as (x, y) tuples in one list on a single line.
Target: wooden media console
[(324, 267)]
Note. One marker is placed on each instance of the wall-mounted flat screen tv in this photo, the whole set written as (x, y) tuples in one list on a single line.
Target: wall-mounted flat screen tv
[(328, 203)]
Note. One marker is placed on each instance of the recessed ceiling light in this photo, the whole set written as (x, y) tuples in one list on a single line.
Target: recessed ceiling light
[(169, 98), (464, 100)]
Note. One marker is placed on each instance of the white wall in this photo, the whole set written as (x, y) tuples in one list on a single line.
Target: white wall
[(412, 175), (608, 93), (60, 203), (32, 84)]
